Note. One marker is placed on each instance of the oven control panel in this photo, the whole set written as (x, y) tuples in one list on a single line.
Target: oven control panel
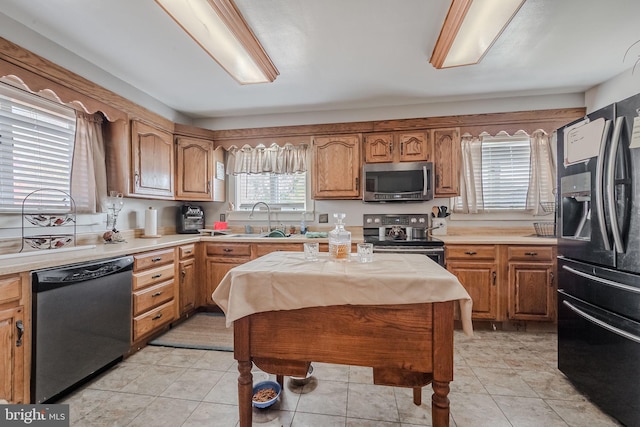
[(406, 220)]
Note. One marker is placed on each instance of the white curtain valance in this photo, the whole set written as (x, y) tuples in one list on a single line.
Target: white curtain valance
[(273, 159)]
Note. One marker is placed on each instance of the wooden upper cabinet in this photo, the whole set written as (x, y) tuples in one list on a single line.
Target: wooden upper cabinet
[(446, 150), (397, 147), (336, 167), (195, 169), (153, 161)]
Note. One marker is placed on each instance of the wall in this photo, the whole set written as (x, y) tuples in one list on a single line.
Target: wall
[(616, 89)]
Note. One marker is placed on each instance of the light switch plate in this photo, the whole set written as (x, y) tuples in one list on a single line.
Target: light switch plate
[(323, 218), (223, 217)]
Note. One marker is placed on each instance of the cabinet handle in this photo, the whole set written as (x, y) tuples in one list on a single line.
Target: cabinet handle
[(157, 316), (156, 259), (551, 279), (531, 253), (183, 273), (357, 184), (208, 187), (494, 277), (136, 178), (157, 294), (471, 252), (227, 250), (402, 148), (20, 328), (155, 276), (391, 147)]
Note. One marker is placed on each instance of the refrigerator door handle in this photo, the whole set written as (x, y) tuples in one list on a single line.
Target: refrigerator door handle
[(610, 179), (600, 323), (601, 280), (600, 186)]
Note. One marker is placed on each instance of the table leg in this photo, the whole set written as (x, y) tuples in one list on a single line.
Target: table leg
[(417, 396), (245, 392), (440, 404), (280, 380)]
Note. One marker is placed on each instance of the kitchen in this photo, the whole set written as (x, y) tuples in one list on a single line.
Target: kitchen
[(618, 86)]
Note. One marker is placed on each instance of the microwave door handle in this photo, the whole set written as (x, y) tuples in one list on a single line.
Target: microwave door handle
[(425, 181), (610, 179), (600, 184)]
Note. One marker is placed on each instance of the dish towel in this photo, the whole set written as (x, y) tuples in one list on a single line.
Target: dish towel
[(316, 234)]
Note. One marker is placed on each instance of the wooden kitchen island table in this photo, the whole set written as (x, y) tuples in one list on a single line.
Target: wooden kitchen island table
[(394, 315)]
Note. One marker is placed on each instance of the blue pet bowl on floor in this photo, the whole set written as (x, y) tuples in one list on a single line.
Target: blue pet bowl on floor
[(262, 385)]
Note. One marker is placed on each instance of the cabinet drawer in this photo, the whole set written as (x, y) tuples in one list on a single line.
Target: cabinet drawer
[(542, 253), (152, 297), (151, 320), (186, 251), (153, 259), (229, 249), (263, 249), (150, 277), (10, 289), (467, 252)]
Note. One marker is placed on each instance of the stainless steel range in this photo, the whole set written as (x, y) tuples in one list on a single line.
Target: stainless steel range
[(403, 233)]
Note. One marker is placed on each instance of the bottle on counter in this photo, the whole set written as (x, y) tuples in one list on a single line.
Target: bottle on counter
[(339, 240), (303, 226)]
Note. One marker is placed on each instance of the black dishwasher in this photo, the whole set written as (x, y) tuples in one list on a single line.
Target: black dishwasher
[(81, 323)]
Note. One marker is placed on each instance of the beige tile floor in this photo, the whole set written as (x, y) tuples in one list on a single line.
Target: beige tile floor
[(501, 379)]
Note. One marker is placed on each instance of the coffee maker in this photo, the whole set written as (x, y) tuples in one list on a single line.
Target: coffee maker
[(190, 219)]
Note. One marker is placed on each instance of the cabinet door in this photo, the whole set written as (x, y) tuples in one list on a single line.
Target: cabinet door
[(414, 147), (531, 291), (215, 271), (12, 355), (480, 281), (153, 161), (336, 172), (187, 269), (194, 158), (446, 150), (378, 148)]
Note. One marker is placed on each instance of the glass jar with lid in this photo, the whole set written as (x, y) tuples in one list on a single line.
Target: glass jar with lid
[(339, 240)]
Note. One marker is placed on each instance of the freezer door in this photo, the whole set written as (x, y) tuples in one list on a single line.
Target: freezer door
[(626, 186), (583, 230)]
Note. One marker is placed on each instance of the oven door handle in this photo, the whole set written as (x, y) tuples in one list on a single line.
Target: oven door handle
[(408, 249), (603, 325)]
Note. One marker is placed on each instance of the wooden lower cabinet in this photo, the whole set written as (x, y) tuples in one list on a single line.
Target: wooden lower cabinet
[(187, 278), (155, 296), (479, 278), (219, 258), (506, 282), (14, 338), (531, 272)]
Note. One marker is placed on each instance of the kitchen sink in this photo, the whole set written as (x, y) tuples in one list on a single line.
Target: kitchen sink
[(274, 233)]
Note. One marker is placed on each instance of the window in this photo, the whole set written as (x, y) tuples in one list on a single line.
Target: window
[(505, 173), (36, 146), (283, 192), (495, 174)]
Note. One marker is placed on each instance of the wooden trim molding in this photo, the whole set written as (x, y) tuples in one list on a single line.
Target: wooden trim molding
[(450, 28), (39, 73)]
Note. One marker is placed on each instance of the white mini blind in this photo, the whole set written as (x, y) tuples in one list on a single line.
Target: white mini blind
[(36, 148), (505, 173), (284, 192)]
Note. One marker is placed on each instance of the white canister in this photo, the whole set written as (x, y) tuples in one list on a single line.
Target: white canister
[(409, 233)]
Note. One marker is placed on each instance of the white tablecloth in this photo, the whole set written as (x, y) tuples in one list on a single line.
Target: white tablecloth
[(286, 281)]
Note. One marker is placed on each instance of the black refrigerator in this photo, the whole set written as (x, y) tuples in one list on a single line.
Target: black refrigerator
[(599, 257)]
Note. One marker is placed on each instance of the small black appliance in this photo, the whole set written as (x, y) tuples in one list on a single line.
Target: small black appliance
[(190, 219)]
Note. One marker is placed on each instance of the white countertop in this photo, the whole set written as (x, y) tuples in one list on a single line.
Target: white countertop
[(53, 257)]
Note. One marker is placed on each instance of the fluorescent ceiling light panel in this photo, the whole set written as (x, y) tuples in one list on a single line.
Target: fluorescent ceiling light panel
[(219, 28), (470, 29)]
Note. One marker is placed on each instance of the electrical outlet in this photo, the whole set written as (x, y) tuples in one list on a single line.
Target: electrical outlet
[(323, 218), (223, 217)]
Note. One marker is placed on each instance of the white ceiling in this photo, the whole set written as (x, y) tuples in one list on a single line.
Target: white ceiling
[(340, 54)]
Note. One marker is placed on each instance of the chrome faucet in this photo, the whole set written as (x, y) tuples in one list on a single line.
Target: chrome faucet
[(268, 214)]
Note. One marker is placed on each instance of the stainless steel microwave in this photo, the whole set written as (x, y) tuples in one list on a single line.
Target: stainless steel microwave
[(398, 182)]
